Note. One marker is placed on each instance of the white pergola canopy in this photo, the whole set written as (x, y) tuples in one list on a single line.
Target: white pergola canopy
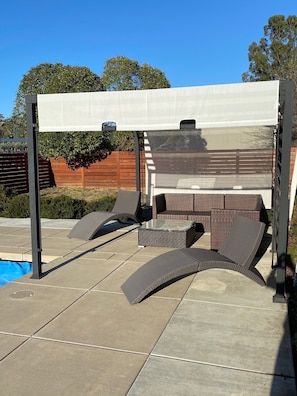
[(230, 105)]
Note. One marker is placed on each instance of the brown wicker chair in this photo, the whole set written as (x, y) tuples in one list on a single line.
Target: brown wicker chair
[(237, 253), (126, 206), (221, 219)]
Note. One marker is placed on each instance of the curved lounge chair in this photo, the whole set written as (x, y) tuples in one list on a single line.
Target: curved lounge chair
[(237, 254), (126, 206)]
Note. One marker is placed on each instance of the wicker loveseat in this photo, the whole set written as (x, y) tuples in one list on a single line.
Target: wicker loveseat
[(213, 213)]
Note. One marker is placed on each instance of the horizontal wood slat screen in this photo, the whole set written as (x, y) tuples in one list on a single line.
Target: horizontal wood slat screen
[(211, 162), (118, 171), (14, 172)]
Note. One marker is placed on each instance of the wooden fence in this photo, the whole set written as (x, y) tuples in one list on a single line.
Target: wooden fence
[(117, 171), (14, 172)]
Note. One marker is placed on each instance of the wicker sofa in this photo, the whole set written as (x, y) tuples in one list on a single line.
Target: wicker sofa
[(212, 213)]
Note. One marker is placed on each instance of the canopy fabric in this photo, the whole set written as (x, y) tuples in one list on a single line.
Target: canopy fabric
[(229, 105)]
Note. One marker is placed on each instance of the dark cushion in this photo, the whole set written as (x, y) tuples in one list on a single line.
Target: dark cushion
[(206, 202), (180, 202)]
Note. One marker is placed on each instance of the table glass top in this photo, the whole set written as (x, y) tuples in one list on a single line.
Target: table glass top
[(167, 225)]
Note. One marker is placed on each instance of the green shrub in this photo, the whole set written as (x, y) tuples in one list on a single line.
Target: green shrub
[(102, 204), (53, 207), (61, 207), (5, 194), (17, 206), (270, 215), (3, 198)]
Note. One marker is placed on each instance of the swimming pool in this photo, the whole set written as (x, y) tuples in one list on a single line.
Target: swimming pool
[(11, 270)]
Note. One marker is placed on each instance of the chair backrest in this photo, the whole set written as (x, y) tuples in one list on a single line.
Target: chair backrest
[(243, 241), (127, 202)]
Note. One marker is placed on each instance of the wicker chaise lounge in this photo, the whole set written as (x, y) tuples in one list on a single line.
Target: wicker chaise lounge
[(126, 206), (237, 253)]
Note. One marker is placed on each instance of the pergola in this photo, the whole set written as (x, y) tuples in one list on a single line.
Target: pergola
[(205, 108)]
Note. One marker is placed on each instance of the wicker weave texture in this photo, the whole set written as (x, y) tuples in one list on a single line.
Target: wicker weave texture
[(221, 223), (213, 213), (206, 202), (175, 239), (242, 201)]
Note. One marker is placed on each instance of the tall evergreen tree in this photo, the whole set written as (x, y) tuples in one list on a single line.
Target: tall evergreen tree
[(121, 73), (275, 56)]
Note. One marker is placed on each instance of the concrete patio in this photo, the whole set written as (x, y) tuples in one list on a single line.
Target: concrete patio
[(73, 332)]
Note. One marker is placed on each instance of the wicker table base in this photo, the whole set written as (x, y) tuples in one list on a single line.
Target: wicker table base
[(168, 233)]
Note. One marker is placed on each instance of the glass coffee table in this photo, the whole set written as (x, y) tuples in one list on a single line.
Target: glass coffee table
[(168, 233)]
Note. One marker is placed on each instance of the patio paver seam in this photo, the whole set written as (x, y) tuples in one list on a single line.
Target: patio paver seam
[(55, 340), (14, 334), (219, 365), (50, 286), (275, 308)]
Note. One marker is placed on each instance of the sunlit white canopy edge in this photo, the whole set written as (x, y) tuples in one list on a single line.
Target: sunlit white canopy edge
[(226, 105)]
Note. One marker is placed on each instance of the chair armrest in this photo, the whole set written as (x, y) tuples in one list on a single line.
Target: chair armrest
[(159, 204)]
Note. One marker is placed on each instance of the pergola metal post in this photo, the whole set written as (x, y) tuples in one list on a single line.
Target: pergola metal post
[(281, 193), (33, 166)]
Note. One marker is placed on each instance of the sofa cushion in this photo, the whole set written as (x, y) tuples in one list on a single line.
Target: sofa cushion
[(206, 202), (242, 201), (180, 202)]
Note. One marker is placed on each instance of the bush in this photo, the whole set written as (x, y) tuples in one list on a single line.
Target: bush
[(17, 206), (102, 204), (3, 198), (54, 207), (5, 194), (62, 207)]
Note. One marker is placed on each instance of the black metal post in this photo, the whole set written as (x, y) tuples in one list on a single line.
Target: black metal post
[(33, 167), (287, 90)]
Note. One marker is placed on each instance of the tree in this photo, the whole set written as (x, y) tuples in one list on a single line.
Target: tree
[(152, 78), (78, 148), (81, 148), (48, 78), (75, 79), (275, 57), (6, 127), (34, 82), (1, 125), (121, 73)]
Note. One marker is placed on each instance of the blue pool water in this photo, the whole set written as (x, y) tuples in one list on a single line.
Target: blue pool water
[(11, 270)]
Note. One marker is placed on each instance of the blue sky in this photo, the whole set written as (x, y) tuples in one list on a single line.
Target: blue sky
[(192, 42)]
